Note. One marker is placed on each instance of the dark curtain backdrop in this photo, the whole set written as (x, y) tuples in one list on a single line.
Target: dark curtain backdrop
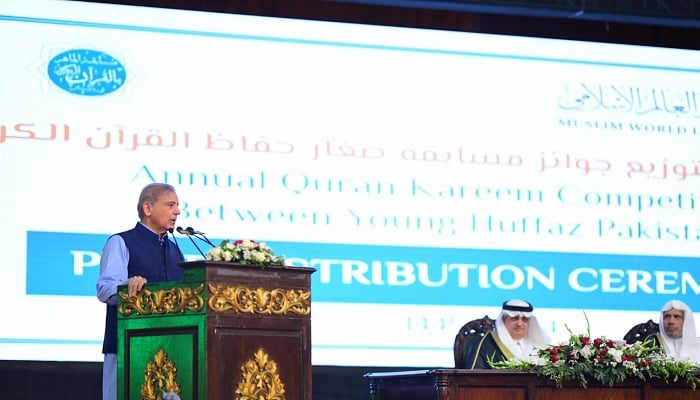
[(380, 12)]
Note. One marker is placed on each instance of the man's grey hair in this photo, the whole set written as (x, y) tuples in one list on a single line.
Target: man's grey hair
[(150, 194)]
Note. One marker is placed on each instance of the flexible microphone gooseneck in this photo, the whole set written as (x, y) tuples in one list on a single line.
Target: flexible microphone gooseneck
[(189, 235), (199, 235), (176, 243)]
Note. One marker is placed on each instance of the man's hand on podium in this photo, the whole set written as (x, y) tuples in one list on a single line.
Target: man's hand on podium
[(136, 284)]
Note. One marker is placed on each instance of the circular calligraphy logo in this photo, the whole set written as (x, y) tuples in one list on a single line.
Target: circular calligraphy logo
[(86, 72)]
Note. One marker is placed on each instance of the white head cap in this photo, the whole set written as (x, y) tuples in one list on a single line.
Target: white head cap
[(517, 308), (688, 346), (536, 337)]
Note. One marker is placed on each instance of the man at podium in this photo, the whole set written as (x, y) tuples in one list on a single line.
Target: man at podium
[(133, 258)]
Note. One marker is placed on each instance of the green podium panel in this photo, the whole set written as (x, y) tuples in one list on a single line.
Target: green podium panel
[(226, 331)]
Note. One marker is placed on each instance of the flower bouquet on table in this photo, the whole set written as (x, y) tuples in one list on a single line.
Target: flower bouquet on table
[(246, 252), (607, 361)]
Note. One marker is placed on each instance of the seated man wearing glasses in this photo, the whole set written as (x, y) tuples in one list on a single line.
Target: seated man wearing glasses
[(517, 335)]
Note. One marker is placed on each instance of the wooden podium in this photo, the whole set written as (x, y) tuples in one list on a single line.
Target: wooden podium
[(226, 331)]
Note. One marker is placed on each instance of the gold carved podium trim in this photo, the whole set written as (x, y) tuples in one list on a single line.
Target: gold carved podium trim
[(160, 376), (260, 379), (245, 300), (174, 300), (239, 299)]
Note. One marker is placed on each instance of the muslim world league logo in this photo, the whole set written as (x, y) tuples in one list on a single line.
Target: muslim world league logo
[(86, 72)]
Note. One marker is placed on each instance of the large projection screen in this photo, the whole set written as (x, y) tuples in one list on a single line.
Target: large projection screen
[(426, 175)]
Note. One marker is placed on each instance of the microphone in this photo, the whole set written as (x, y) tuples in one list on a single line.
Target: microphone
[(199, 235), (190, 232), (183, 231), (186, 232)]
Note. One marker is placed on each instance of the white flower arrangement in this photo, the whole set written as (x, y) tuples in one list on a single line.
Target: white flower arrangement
[(247, 252), (607, 361)]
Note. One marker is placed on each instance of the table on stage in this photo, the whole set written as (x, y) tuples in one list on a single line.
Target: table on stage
[(460, 384)]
